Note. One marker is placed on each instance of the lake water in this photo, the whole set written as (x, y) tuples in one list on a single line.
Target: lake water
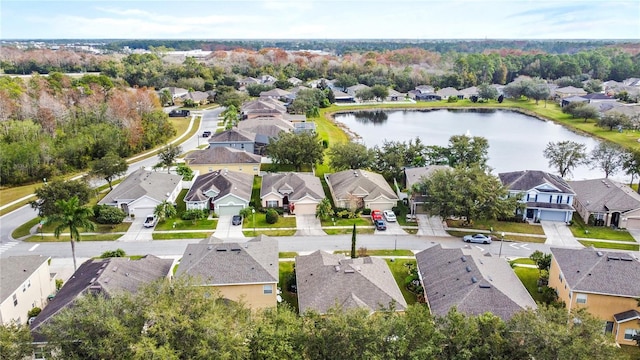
[(516, 141)]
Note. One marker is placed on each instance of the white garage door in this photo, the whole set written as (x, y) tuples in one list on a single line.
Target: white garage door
[(142, 212), (552, 215), (633, 224), (229, 210), (305, 209)]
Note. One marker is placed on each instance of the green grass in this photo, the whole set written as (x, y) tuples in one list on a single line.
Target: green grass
[(380, 252), (529, 278), (525, 261), (285, 270), (268, 232), (628, 352), (334, 231), (410, 231), (99, 228), (500, 226), (516, 238), (287, 254), (400, 272), (580, 230), (181, 206), (63, 238), (187, 224), (261, 222), (255, 191), (23, 230), (179, 235), (608, 245), (359, 221)]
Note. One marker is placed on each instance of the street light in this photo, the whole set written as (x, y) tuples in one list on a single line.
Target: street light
[(501, 241), (253, 212)]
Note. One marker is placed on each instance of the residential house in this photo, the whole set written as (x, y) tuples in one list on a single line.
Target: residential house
[(469, 92), (265, 107), (605, 202), (569, 91), (241, 140), (221, 158), (425, 89), (325, 281), (342, 97), (546, 196), (471, 281), (353, 90), (26, 282), (175, 92), (631, 111), (449, 92), (295, 81), (275, 94), (243, 272), (394, 96), (606, 283), (571, 99), (413, 176), (269, 127), (248, 81), (198, 97), (354, 189), (142, 190), (427, 97), (224, 192), (106, 277), (297, 193)]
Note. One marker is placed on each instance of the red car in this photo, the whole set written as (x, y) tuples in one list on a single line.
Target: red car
[(376, 215)]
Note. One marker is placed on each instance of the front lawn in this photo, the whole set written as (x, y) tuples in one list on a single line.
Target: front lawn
[(261, 221), (287, 254), (581, 230), (400, 271), (609, 245), (529, 278), (268, 232), (380, 252), (187, 224), (23, 230), (525, 261), (499, 226), (359, 221), (179, 235), (63, 238), (338, 231), (516, 238)]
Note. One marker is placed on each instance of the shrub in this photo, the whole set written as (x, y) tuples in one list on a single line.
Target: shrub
[(452, 99), (110, 215), (272, 216), (113, 253), (366, 211), (33, 312), (194, 214), (59, 283)]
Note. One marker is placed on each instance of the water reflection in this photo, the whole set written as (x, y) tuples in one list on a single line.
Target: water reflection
[(376, 117)]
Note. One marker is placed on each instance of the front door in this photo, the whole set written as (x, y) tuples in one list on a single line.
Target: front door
[(529, 213), (285, 203), (615, 219)]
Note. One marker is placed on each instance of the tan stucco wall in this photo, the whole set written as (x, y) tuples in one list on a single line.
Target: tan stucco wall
[(243, 168), (251, 295), (35, 295), (271, 197), (619, 331)]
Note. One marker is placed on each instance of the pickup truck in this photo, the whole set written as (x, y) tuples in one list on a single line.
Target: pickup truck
[(150, 221)]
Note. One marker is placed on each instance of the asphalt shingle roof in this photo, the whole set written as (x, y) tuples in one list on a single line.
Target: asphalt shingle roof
[(224, 183), (530, 179), (364, 183), (15, 270), (221, 155), (603, 195), (300, 184), (141, 182)]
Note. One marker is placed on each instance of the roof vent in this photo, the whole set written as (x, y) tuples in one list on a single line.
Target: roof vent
[(209, 247), (115, 268), (468, 269), (464, 259), (236, 249), (599, 253), (349, 271), (485, 286), (221, 249), (337, 267), (474, 280)]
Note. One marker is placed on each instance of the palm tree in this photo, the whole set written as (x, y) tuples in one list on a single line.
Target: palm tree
[(70, 214), (165, 210)]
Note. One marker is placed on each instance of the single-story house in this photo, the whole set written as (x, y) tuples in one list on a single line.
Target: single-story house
[(224, 192), (246, 272), (354, 189), (240, 139), (142, 190), (298, 193), (427, 97), (394, 96), (26, 282), (221, 158), (605, 202), (353, 90), (175, 92), (546, 196), (271, 127), (449, 92), (198, 97), (568, 91), (342, 97), (274, 94), (471, 281), (325, 281)]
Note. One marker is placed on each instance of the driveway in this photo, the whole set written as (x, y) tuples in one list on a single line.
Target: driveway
[(430, 225), (308, 225), (635, 234), (393, 228), (558, 234), (227, 231), (137, 231)]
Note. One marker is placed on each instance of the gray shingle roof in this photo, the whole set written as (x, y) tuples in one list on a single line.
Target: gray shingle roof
[(251, 262), (221, 155), (358, 182), (530, 179), (142, 182), (626, 316), (106, 276), (271, 127), (415, 175), (325, 280), (222, 182), (233, 135), (15, 270), (448, 91), (474, 283), (275, 92), (612, 273), (300, 184), (603, 195)]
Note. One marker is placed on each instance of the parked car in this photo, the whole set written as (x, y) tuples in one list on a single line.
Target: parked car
[(150, 221), (179, 113), (376, 215), (389, 215), (477, 238), (206, 133), (380, 225), (236, 220)]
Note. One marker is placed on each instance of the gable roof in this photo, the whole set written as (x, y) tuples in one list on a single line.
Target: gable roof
[(300, 184), (416, 174), (196, 96), (224, 183), (348, 182), (141, 182), (571, 90), (15, 270), (108, 277), (252, 262), (337, 94), (448, 91), (221, 155), (268, 126), (325, 280), (263, 105), (275, 93), (604, 272), (603, 195), (531, 179), (233, 135), (472, 282)]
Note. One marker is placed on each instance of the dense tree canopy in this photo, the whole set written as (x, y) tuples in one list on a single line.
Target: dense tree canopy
[(565, 155), (296, 149), (52, 191), (349, 155)]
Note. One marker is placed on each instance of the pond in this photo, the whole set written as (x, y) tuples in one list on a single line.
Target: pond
[(516, 141)]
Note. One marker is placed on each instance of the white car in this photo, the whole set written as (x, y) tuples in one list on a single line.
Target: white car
[(389, 215), (150, 221)]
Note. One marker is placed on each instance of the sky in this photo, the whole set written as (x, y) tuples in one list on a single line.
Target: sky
[(320, 19)]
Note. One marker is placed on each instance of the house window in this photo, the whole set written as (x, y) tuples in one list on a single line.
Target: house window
[(15, 300), (272, 203), (630, 333), (536, 199), (528, 197), (559, 200), (608, 327), (560, 277), (581, 299), (255, 168), (267, 289)]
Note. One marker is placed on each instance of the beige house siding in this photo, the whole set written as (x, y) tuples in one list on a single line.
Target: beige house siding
[(630, 220), (272, 197), (304, 208), (252, 169), (32, 293), (252, 295)]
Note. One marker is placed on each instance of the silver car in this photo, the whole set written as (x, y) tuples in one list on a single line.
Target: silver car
[(477, 238)]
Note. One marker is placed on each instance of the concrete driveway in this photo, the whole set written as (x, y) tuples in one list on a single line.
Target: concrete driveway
[(558, 234), (308, 225), (393, 228), (137, 231), (430, 225), (225, 230), (635, 234)]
